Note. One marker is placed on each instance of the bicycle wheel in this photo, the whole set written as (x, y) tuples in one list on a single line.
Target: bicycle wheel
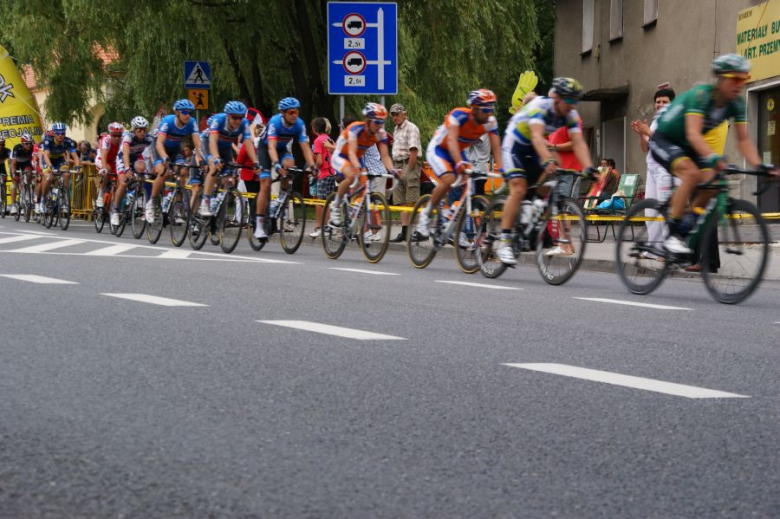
[(197, 229), (214, 229), (27, 205), (50, 211), (374, 235), (231, 221), (467, 240), (743, 253), (334, 241), (490, 237), (154, 229), (564, 227), (637, 261), (18, 200), (63, 208), (138, 219), (177, 219), (421, 250), (2, 197), (293, 224)]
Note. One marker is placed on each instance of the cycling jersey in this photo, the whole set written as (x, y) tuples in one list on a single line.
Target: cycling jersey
[(137, 147), (228, 137), (173, 133), (539, 110), (58, 150), (278, 131), (700, 100), (112, 149), (22, 155), (355, 132), (469, 131)]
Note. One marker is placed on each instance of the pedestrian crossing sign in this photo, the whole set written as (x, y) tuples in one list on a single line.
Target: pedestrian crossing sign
[(199, 97), (197, 74)]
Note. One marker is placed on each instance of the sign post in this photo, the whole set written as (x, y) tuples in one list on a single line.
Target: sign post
[(197, 81)]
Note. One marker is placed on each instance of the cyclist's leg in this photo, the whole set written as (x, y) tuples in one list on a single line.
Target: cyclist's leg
[(14, 189), (443, 168)]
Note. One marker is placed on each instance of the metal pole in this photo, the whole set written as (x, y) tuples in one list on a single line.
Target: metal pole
[(382, 100), (341, 109)]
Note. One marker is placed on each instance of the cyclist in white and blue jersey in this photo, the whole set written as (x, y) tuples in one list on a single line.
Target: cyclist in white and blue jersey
[(225, 131), (280, 132), (173, 128), (58, 150), (130, 159)]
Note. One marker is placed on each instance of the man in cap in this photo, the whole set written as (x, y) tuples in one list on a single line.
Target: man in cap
[(406, 150)]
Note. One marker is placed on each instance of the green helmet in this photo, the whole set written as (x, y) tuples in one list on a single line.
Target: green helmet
[(567, 87), (730, 63)]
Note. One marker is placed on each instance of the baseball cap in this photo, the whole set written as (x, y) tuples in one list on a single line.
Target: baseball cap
[(397, 108)]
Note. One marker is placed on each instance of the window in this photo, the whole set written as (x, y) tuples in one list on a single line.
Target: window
[(651, 13), (587, 25), (616, 20)]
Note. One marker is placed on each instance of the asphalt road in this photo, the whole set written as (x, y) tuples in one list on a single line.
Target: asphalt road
[(114, 407)]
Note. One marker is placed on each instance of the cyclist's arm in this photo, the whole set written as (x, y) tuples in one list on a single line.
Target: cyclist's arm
[(581, 150), (213, 148), (693, 133), (495, 145), (75, 157), (13, 165), (307, 154), (196, 148), (539, 142), (249, 145), (353, 147), (126, 155), (746, 146), (161, 146), (47, 159), (104, 158), (272, 153), (385, 154), (453, 132)]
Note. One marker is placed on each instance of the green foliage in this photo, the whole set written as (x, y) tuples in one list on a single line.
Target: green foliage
[(263, 51)]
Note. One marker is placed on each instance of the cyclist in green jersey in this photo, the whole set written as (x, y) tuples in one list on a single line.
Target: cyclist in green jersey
[(679, 146)]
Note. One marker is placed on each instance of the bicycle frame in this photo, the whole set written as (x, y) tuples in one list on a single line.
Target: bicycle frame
[(354, 213)]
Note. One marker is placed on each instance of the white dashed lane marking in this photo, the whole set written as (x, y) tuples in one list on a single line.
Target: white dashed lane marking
[(155, 300), (111, 250), (338, 331), (480, 285), (32, 278), (616, 379), (35, 249), (632, 303), (13, 239), (361, 271)]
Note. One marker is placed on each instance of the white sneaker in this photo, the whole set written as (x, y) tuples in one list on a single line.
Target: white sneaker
[(463, 241), (260, 233), (335, 216), (204, 210), (316, 233), (505, 254), (100, 202), (149, 212), (368, 237), (14, 209), (114, 219), (557, 251), (676, 245), (423, 225), (39, 208), (289, 226)]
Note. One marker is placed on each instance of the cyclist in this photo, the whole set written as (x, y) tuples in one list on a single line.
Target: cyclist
[(108, 149), (280, 131), (129, 160), (446, 152), (21, 158), (173, 128), (5, 154), (347, 160), (679, 145), (226, 130), (58, 150), (526, 154)]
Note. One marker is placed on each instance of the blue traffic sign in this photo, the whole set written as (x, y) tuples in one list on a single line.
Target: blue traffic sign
[(362, 48), (197, 74)]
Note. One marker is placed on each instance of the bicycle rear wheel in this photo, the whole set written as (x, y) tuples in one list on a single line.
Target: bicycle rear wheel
[(421, 250), (293, 224), (177, 219), (490, 236), (63, 208), (154, 229), (18, 201), (137, 219), (2, 197), (467, 240), (27, 205), (231, 221), (198, 229), (640, 262), (743, 253), (567, 230), (376, 223), (334, 241)]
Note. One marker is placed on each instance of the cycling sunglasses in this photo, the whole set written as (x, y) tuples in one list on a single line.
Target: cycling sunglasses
[(570, 101), (185, 112), (59, 134), (236, 117), (291, 112), (379, 122), (487, 109)]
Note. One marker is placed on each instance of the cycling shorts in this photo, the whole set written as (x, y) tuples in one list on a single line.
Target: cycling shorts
[(668, 153), (440, 161), (174, 155), (57, 163), (339, 163), (521, 162)]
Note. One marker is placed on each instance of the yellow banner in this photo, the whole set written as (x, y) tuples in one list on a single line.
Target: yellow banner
[(17, 106), (758, 38)]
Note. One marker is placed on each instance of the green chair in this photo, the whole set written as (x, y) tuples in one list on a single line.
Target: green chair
[(626, 192)]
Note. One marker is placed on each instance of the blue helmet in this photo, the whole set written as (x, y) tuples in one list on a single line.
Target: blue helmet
[(58, 127), (235, 108), (288, 103), (183, 104)]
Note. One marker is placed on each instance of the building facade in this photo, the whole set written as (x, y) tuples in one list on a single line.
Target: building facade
[(623, 50)]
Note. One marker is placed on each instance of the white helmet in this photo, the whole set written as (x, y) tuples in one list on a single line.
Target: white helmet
[(139, 122)]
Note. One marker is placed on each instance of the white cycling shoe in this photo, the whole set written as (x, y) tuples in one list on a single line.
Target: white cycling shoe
[(260, 233), (506, 255), (423, 225), (114, 219), (335, 216), (676, 245), (149, 210)]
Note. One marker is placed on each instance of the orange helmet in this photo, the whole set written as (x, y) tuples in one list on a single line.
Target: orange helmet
[(375, 111), (481, 97)]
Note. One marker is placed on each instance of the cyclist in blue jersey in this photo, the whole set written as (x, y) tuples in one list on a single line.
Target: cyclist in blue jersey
[(58, 150), (173, 128), (226, 130), (129, 160), (281, 130)]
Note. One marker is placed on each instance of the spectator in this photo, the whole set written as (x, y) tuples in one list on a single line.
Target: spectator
[(659, 181), (326, 180), (86, 154), (607, 177), (373, 162), (406, 151), (560, 143), (479, 156)]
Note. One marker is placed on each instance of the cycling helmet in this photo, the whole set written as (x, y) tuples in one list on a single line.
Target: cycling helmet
[(25, 139), (481, 97), (288, 103), (58, 127), (183, 104), (729, 63), (375, 111), (235, 108), (116, 128), (567, 87), (139, 122)]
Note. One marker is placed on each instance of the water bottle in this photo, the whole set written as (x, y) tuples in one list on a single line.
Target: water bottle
[(539, 207), (219, 199), (54, 191), (166, 202), (453, 210), (527, 210), (274, 207), (130, 198)]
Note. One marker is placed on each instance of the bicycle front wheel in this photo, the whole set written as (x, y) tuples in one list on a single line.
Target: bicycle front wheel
[(154, 229), (2, 197), (565, 228), (421, 249), (138, 219), (231, 221), (177, 219), (334, 241), (467, 239), (19, 201), (742, 244), (640, 262), (374, 235), (490, 238), (27, 204), (293, 223)]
